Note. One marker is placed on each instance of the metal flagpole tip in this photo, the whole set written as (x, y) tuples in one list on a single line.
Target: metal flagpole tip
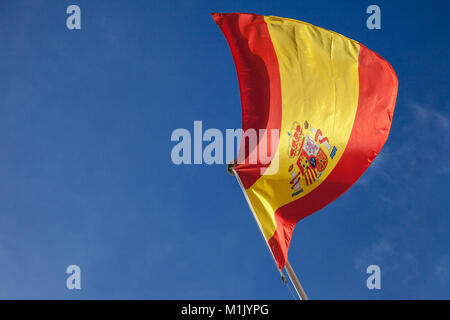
[(230, 167)]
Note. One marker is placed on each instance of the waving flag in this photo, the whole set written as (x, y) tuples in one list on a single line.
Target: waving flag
[(331, 100)]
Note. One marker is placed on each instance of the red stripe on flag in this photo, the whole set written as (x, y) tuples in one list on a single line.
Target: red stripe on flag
[(377, 94), (259, 81)]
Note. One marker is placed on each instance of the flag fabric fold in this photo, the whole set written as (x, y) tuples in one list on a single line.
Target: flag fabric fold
[(331, 101)]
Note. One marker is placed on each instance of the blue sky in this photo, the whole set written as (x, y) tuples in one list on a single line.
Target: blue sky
[(86, 176)]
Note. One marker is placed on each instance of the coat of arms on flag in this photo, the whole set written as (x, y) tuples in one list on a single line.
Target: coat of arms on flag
[(305, 147)]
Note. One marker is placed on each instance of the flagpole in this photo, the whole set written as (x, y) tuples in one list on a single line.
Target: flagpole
[(295, 282), (230, 169), (291, 274)]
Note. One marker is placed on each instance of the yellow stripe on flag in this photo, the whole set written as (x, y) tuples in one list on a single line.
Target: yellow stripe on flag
[(319, 85)]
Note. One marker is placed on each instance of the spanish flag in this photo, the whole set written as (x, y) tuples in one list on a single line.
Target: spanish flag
[(330, 99)]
